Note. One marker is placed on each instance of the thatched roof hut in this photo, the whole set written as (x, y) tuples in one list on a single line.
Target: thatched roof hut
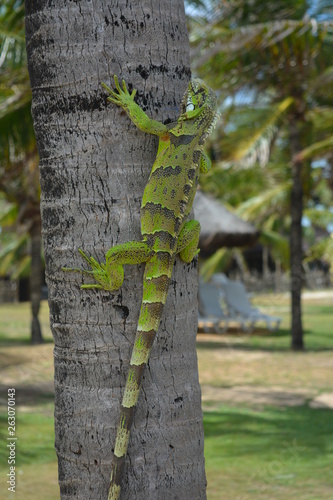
[(219, 227)]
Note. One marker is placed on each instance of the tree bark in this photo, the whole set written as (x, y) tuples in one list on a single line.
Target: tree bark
[(36, 282), (94, 165), (296, 237)]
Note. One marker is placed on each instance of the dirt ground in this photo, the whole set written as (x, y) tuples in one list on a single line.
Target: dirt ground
[(227, 375), (272, 396), (235, 375)]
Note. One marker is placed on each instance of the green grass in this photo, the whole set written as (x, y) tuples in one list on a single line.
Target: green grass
[(15, 323), (317, 325), (273, 453), (35, 436), (317, 329), (252, 451), (36, 467), (28, 368)]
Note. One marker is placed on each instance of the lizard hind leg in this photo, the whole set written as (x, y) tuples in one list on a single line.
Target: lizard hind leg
[(188, 240), (105, 279), (132, 252), (110, 276)]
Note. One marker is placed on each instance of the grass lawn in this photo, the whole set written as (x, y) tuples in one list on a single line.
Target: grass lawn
[(269, 453), (268, 426)]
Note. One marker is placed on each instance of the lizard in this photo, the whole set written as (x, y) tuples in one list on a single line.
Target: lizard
[(166, 204)]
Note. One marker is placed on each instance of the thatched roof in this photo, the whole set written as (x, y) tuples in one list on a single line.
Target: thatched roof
[(219, 227)]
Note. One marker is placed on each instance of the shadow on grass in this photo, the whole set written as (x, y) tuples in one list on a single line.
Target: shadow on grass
[(310, 310), (264, 340), (305, 431), (6, 341), (31, 395)]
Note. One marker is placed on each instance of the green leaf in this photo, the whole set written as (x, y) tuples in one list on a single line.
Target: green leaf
[(319, 148), (322, 250), (8, 214), (319, 216), (258, 136), (279, 245), (22, 269), (216, 263), (260, 205)]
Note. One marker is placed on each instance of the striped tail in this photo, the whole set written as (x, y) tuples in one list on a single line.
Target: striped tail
[(155, 288)]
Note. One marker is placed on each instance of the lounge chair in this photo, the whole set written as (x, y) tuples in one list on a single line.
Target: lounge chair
[(238, 303), (211, 311)]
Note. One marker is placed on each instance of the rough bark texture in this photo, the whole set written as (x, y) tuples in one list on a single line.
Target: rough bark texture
[(36, 281), (296, 236), (94, 165)]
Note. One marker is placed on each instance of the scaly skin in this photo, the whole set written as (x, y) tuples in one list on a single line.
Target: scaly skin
[(166, 204)]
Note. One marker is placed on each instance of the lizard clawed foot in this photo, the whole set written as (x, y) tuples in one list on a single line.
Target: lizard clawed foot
[(106, 278), (122, 97)]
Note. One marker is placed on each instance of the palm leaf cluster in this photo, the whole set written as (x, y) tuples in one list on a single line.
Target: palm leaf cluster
[(272, 63), (19, 181)]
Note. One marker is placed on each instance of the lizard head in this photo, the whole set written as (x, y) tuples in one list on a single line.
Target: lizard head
[(199, 103)]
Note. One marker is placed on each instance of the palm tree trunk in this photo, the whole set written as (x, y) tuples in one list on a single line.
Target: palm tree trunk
[(94, 165), (35, 282), (296, 249)]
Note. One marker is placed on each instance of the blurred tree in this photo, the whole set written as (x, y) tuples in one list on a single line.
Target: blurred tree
[(273, 65), (19, 177)]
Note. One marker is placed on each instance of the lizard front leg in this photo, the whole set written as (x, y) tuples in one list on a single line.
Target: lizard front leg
[(110, 276), (123, 98), (188, 241)]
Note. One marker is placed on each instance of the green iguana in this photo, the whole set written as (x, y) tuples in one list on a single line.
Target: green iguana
[(166, 203)]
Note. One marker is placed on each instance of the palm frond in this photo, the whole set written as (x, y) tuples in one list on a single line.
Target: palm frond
[(322, 250), (218, 262), (22, 268), (8, 214), (259, 205), (278, 244), (12, 249), (18, 98), (255, 146), (279, 38), (324, 80), (316, 149), (321, 117), (319, 216), (12, 39)]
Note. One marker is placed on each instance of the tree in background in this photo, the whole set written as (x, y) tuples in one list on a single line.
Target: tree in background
[(273, 64), (20, 252)]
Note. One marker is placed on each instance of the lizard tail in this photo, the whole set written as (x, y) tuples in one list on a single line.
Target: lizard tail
[(155, 287)]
